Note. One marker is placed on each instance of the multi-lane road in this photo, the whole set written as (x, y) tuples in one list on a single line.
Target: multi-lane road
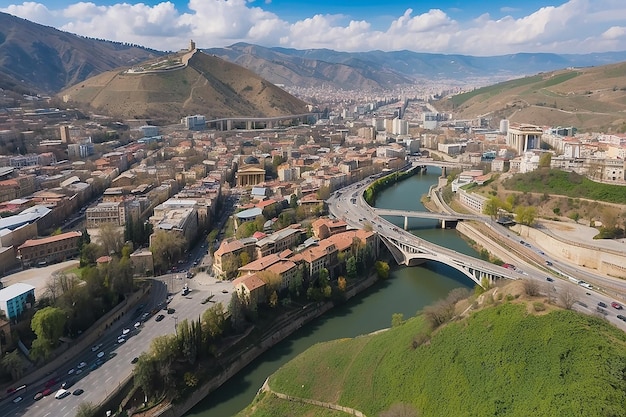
[(531, 262), (99, 382)]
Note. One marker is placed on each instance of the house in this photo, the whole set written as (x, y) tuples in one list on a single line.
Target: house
[(324, 227), (251, 287)]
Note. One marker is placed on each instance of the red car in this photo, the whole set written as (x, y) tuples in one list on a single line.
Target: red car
[(50, 383), (46, 392), (616, 305)]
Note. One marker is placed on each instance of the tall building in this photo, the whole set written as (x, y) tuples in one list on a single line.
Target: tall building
[(65, 134)]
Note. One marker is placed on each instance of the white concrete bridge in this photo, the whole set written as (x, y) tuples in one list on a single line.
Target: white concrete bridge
[(444, 218)]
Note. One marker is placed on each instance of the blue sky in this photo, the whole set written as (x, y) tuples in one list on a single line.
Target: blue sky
[(469, 27)]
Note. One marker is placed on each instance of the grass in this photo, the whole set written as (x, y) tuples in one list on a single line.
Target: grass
[(499, 361), (270, 406), (493, 90), (566, 183)]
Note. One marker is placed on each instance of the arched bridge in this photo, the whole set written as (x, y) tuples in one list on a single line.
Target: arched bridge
[(407, 248)]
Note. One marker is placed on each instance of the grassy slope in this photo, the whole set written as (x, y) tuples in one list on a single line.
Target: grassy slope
[(588, 98), (500, 361), (566, 183)]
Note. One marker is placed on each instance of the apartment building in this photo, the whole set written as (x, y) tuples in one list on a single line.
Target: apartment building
[(49, 249)]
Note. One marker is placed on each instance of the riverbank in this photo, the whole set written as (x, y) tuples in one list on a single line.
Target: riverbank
[(292, 322)]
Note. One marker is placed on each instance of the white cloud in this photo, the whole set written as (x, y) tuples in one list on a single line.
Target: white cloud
[(575, 26)]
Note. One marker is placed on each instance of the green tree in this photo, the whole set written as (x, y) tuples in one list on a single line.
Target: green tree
[(293, 201), (351, 271), (526, 215), (323, 193), (236, 308), (382, 269), (397, 319), (273, 299), (545, 160), (244, 258), (166, 248), (48, 324), (89, 253), (213, 322), (491, 206), (146, 376), (13, 364)]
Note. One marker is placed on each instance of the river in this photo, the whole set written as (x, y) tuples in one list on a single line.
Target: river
[(407, 291)]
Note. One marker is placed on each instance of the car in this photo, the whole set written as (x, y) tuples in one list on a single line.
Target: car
[(135, 360), (602, 311), (137, 325), (125, 332), (171, 310), (78, 391), (121, 340), (82, 365), (225, 291), (71, 371), (616, 305), (100, 354), (46, 392), (160, 317), (548, 263), (601, 304), (67, 384), (78, 372), (62, 393), (50, 383), (38, 396), (549, 279), (621, 317), (17, 400), (10, 390), (145, 316), (96, 347)]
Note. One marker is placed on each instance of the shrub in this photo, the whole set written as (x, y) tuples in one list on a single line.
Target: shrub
[(539, 306)]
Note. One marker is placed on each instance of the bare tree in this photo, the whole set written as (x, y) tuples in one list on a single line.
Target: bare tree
[(549, 289), (531, 287), (567, 299)]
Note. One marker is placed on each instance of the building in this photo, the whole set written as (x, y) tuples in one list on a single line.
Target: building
[(177, 215), (278, 241), (523, 137), (16, 298), (249, 176), (196, 122), (106, 213), (49, 249)]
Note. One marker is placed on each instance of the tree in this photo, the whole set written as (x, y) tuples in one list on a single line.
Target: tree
[(491, 206), (244, 258), (13, 364), (526, 215), (273, 299), (382, 269), (567, 299), (89, 253), (236, 310), (213, 321), (342, 284), (293, 201), (86, 409), (271, 279), (531, 287), (545, 160), (397, 319), (609, 217), (111, 238), (323, 193), (351, 267), (48, 324), (166, 247), (145, 375)]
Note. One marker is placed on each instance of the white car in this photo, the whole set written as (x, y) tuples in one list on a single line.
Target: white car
[(121, 340), (71, 371), (62, 393), (17, 400), (100, 354), (125, 332), (82, 365), (96, 347), (137, 325)]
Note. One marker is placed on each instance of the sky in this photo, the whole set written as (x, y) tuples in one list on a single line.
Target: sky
[(470, 27)]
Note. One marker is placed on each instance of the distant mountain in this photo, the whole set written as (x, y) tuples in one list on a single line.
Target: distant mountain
[(590, 99), (42, 59), (207, 85), (381, 70)]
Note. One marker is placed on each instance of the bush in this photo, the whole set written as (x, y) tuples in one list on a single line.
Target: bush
[(539, 306)]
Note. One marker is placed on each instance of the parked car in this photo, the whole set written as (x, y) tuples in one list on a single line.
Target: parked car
[(38, 396), (160, 317), (17, 400), (78, 391), (62, 393), (549, 279)]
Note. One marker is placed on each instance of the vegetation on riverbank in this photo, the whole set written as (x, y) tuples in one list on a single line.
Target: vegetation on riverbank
[(507, 359), (380, 184)]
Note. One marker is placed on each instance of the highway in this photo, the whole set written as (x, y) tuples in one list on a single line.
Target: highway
[(532, 263), (116, 367)]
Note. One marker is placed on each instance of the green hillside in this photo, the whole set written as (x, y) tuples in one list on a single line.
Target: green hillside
[(499, 361), (591, 99)]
